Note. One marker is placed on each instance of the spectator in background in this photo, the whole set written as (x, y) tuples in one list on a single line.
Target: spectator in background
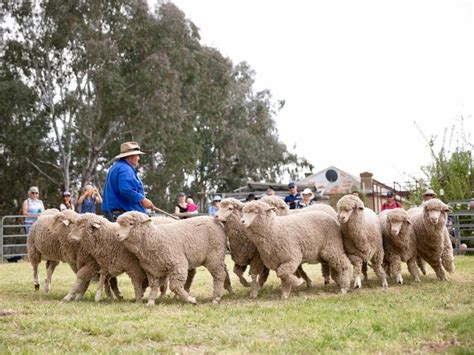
[(192, 207), (181, 205), (250, 197), (270, 191), (32, 207), (294, 197), (123, 189), (67, 202), (390, 203), (355, 193), (215, 205), (428, 195), (307, 198), (89, 198)]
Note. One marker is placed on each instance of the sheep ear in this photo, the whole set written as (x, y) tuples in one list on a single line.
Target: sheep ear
[(66, 222), (270, 209), (147, 220), (96, 225), (446, 209), (408, 220)]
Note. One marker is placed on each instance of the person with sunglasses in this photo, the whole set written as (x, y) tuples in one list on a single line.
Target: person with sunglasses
[(294, 197), (32, 207)]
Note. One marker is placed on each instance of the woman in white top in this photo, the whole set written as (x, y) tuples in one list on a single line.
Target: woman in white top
[(32, 207)]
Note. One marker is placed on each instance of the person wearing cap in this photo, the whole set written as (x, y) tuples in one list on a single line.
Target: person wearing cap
[(67, 203), (215, 205), (250, 197), (89, 198), (307, 197), (390, 203), (31, 208), (123, 189), (428, 195), (294, 197)]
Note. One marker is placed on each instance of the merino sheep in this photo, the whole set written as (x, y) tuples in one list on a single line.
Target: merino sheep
[(82, 263), (285, 242), (242, 250), (362, 237), (42, 245), (433, 243), (98, 237), (173, 249), (399, 241)]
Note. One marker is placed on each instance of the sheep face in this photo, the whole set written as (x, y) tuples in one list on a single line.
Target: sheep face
[(84, 226), (229, 207), (434, 210), (254, 211), (396, 220), (127, 222), (348, 205), (63, 222)]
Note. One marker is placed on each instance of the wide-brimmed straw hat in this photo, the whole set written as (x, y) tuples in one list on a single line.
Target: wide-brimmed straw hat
[(307, 191), (129, 148)]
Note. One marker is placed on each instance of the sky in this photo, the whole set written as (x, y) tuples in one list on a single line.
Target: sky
[(355, 75)]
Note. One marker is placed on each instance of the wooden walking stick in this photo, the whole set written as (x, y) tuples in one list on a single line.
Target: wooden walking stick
[(164, 212)]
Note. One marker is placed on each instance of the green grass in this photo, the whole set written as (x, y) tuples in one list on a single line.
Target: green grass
[(427, 317)]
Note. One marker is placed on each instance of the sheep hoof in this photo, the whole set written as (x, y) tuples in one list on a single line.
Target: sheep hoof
[(216, 300), (192, 300), (37, 287), (309, 284), (400, 279), (357, 283), (326, 282), (79, 297), (67, 298), (343, 291), (254, 294), (150, 303), (384, 284), (417, 279)]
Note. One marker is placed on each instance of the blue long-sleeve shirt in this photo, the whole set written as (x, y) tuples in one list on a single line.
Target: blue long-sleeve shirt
[(123, 189)]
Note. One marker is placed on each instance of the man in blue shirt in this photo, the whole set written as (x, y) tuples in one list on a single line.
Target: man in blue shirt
[(123, 190), (294, 197)]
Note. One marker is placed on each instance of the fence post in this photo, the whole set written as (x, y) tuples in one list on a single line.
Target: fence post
[(1, 241)]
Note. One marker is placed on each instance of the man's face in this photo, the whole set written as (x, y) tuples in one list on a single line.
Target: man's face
[(133, 160), (293, 190)]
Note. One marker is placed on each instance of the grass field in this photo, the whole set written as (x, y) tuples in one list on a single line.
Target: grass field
[(427, 317)]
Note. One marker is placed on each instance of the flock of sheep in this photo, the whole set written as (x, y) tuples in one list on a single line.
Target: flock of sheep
[(264, 235)]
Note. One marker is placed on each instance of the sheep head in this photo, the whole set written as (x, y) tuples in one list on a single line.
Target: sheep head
[(435, 210), (348, 205), (254, 211), (128, 221), (281, 208), (63, 222), (86, 225), (396, 219), (230, 208)]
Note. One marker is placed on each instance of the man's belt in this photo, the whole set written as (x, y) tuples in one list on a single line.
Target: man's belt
[(118, 211)]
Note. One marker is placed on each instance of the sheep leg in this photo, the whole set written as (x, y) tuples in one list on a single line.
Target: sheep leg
[(377, 260), (339, 266), (227, 283), (115, 287), (302, 274), (239, 271), (263, 276), (154, 285), (285, 289), (177, 280), (395, 264), (438, 268), (218, 273), (83, 276), (357, 263), (80, 294), (36, 275), (413, 269), (286, 272), (255, 286), (365, 270), (447, 256), (326, 271), (51, 266), (421, 264), (100, 286), (108, 289), (163, 282), (189, 280)]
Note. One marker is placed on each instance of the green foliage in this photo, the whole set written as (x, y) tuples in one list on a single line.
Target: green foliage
[(430, 316), (103, 72), (451, 169)]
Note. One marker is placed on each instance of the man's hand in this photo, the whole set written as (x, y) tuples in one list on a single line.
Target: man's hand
[(146, 203)]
